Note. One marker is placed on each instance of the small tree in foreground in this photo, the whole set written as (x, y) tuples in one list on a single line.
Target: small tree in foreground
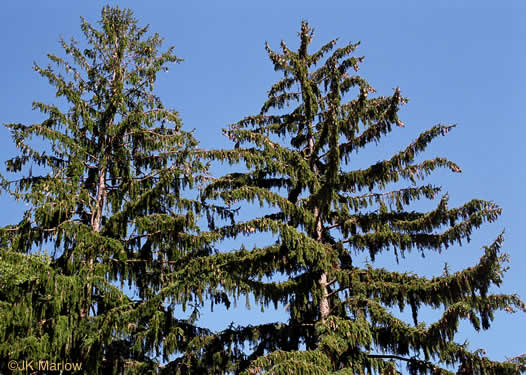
[(324, 212), (109, 209)]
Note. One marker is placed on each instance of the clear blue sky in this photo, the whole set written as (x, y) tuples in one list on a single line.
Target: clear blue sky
[(456, 62)]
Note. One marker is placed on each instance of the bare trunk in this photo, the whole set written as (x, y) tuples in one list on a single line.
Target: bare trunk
[(96, 219), (324, 302)]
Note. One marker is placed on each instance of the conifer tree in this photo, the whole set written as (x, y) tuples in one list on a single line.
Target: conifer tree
[(104, 194), (299, 152)]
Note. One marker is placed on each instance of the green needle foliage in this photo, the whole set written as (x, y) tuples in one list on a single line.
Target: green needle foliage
[(108, 206), (298, 153), (124, 252)]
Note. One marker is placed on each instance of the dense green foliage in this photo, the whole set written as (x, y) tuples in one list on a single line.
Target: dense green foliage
[(299, 152), (109, 203), (107, 197)]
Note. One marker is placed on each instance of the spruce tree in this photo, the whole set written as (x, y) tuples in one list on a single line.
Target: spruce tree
[(298, 153), (93, 272)]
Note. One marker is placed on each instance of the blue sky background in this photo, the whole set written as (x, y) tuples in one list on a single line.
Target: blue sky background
[(457, 62)]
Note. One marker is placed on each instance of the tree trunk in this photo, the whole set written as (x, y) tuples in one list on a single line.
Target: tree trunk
[(96, 219), (324, 302)]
